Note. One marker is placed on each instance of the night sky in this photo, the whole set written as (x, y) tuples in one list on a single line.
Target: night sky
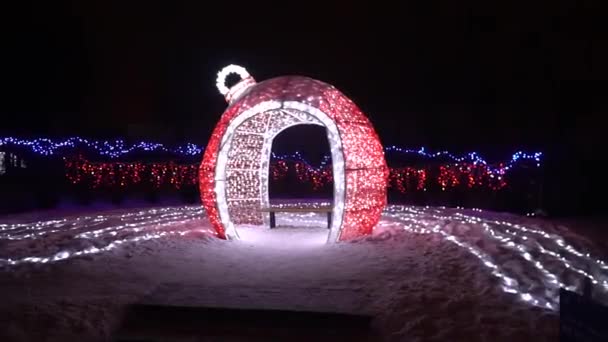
[(450, 75)]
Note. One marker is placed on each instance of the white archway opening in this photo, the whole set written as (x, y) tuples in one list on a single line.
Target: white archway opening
[(242, 170)]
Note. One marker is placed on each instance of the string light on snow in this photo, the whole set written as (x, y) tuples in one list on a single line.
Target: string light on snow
[(509, 236), (539, 263), (556, 240), (118, 229)]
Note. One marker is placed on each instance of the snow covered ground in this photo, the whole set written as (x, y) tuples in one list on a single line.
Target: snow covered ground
[(425, 274)]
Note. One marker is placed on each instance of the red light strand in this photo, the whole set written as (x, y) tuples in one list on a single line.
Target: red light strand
[(171, 174)]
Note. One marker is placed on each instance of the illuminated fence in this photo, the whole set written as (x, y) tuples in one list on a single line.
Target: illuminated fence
[(121, 167), (119, 148), (170, 174)]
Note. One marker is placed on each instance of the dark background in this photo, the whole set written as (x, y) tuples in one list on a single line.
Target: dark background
[(456, 75)]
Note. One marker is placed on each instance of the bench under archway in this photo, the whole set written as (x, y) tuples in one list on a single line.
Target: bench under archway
[(233, 176)]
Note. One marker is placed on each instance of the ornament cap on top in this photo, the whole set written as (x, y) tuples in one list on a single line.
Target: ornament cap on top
[(234, 92)]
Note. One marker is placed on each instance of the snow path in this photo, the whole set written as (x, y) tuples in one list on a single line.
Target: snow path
[(451, 273)]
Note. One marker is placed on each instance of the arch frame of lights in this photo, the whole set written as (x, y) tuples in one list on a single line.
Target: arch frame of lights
[(233, 176), (268, 107)]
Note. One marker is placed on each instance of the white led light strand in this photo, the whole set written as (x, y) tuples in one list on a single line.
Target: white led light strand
[(548, 262), (419, 219), (121, 229)]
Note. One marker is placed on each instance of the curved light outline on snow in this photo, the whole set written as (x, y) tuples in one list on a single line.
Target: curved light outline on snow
[(156, 223)]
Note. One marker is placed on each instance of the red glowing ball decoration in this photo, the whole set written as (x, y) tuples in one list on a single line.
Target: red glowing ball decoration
[(233, 176)]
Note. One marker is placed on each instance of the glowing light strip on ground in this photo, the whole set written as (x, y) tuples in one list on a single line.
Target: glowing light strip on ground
[(412, 213), (144, 224), (556, 260)]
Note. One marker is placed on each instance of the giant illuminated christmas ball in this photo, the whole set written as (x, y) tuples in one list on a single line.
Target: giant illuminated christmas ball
[(234, 173)]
